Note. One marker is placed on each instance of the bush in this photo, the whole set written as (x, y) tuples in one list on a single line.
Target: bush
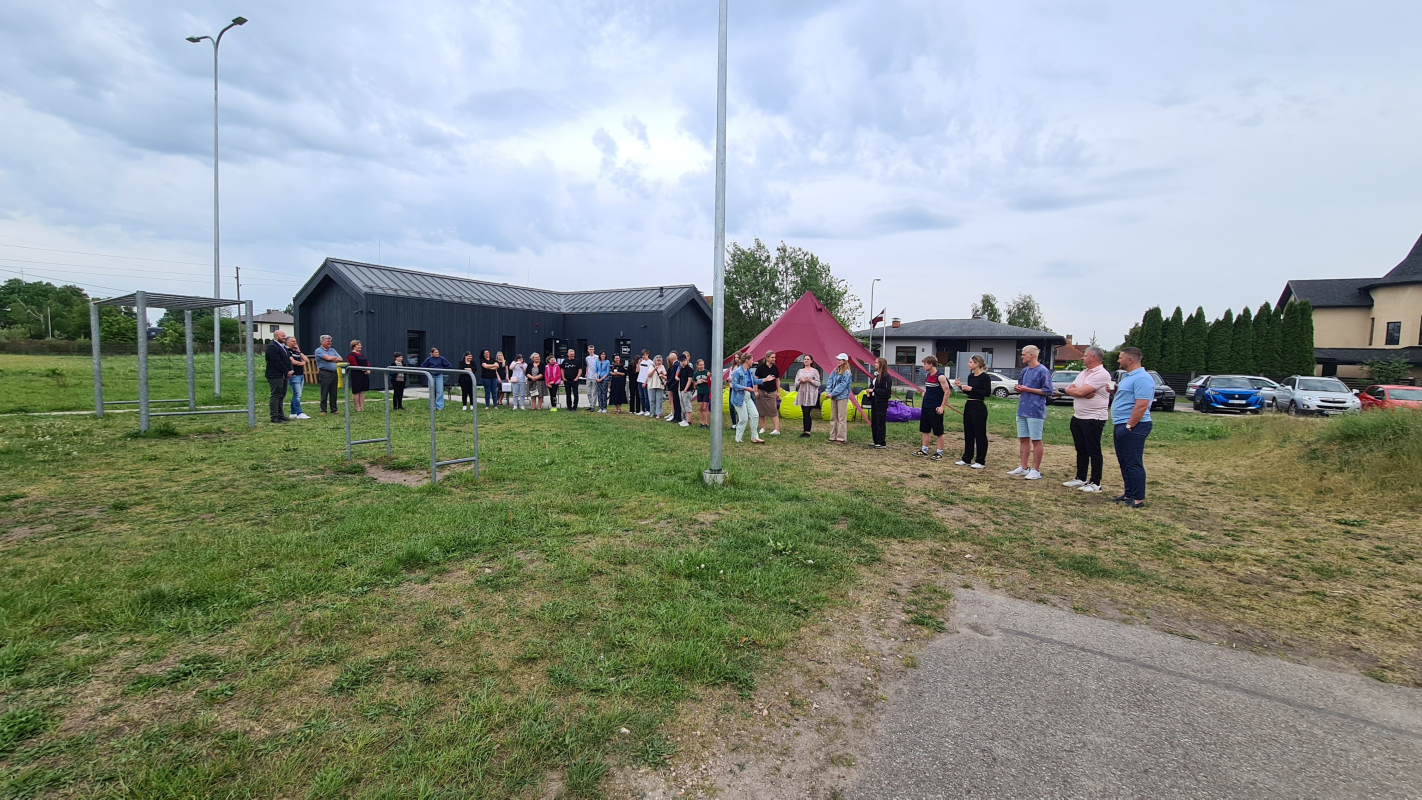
[(1391, 370)]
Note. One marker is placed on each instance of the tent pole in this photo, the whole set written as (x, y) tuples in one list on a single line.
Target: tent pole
[(716, 476)]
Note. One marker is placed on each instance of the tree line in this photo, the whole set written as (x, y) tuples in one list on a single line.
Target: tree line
[(1261, 342), (41, 310)]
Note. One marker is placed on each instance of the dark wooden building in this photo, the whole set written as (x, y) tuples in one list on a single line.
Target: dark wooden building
[(392, 309)]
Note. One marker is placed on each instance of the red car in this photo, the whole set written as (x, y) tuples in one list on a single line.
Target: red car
[(1391, 397)]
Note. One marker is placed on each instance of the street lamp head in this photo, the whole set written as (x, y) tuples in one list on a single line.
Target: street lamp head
[(196, 39), (239, 20)]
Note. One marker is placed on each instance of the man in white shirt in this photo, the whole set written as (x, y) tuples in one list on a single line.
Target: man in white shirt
[(643, 367), (590, 377), (1091, 400)]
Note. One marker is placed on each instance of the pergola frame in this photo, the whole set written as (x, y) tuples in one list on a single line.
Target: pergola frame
[(140, 302)]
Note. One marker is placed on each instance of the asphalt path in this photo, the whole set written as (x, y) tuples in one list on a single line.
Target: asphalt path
[(1026, 700)]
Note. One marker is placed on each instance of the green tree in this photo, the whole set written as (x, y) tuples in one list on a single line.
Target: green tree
[(987, 309), (760, 286), (1389, 370), (1296, 344), (41, 308), (1133, 337), (1150, 338), (1026, 312), (1242, 345), (1220, 360), (1266, 348), (1194, 346), (1172, 342), (118, 324)]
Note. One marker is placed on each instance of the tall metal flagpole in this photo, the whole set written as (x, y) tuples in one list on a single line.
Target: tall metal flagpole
[(716, 476)]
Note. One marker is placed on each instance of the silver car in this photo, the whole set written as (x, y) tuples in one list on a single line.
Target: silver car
[(1269, 388), (1061, 380), (1002, 386), (1193, 385), (1305, 394)]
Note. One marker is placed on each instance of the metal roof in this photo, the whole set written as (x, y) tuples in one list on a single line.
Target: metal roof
[(396, 282), (176, 302), (962, 329), (1358, 355)]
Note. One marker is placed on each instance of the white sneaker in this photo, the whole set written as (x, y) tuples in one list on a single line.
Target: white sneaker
[(1073, 483), (1018, 471), (762, 430), (1033, 475), (960, 463), (978, 466), (684, 424), (1091, 487), (775, 433), (302, 416)]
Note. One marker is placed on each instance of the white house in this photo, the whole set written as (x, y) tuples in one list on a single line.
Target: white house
[(271, 321), (909, 342)]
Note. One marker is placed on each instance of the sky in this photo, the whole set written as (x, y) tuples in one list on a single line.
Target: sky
[(1102, 156)]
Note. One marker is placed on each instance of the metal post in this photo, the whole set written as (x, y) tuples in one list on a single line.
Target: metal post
[(251, 374), (216, 242), (476, 440), (434, 468), (140, 300), (98, 366), (192, 378), (346, 384), (387, 415), (715, 475)]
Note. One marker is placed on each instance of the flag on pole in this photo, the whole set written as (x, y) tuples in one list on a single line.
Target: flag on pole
[(874, 323)]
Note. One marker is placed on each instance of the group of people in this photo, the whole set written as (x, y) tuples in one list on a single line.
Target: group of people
[(1094, 402), (286, 374), (755, 396)]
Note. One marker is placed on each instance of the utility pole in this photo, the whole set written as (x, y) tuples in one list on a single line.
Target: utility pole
[(715, 476)]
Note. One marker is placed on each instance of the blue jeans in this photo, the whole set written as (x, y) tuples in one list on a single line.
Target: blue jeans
[(644, 397), (437, 391), (1130, 452), (491, 391), (296, 381)]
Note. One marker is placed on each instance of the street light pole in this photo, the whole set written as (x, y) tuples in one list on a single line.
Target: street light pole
[(716, 476), (216, 238)]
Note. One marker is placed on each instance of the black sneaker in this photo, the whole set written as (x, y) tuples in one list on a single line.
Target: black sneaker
[(935, 456), (920, 452), (805, 435)]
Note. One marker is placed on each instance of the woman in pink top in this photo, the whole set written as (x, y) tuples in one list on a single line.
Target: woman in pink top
[(1091, 398), (552, 376)]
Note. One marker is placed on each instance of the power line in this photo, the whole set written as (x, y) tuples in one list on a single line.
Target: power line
[(112, 255), (76, 283)]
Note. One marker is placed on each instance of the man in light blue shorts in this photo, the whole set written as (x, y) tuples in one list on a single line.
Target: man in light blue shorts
[(1034, 387)]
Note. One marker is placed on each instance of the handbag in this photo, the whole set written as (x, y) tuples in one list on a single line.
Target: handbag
[(506, 387)]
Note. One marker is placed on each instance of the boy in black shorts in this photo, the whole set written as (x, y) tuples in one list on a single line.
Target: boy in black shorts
[(935, 394)]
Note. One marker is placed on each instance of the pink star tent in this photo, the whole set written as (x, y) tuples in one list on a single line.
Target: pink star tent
[(808, 327)]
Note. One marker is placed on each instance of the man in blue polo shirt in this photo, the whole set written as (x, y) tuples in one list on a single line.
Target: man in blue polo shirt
[(1130, 413), (326, 359)]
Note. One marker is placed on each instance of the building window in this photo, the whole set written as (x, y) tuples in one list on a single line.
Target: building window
[(904, 355), (1394, 334), (1372, 326), (273, 328)]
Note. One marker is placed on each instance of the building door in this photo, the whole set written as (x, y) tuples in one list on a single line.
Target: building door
[(414, 354), (582, 348), (510, 347), (622, 347)]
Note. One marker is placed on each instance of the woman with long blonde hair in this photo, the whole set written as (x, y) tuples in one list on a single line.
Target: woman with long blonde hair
[(837, 387)]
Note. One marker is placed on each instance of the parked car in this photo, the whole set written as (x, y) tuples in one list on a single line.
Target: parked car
[(1192, 385), (1228, 393), (1164, 395), (1305, 394), (1268, 387), (1001, 384), (1061, 380), (1387, 397)]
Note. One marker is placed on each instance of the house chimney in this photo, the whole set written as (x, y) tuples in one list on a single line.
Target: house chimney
[(894, 323), (1068, 338)]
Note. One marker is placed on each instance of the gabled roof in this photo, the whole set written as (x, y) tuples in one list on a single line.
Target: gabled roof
[(963, 329), (274, 317), (1330, 293), (396, 282), (1409, 270)]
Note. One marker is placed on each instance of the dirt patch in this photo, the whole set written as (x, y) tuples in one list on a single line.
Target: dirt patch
[(16, 534), (384, 475), (812, 722)]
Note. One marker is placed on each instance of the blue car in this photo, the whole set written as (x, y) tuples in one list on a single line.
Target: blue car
[(1228, 393)]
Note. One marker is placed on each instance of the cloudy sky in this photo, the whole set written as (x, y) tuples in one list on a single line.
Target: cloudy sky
[(1103, 156)]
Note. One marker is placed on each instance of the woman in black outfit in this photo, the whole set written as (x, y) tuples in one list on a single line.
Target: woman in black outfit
[(489, 377), (466, 381), (978, 389), (360, 378), (879, 402), (572, 378), (618, 391), (397, 383)]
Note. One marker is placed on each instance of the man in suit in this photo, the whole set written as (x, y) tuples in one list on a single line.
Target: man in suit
[(278, 371)]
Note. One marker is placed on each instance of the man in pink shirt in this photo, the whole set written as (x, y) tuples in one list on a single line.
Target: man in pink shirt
[(1091, 400)]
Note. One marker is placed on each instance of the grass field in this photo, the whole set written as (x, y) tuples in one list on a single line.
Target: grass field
[(214, 612), (66, 383)]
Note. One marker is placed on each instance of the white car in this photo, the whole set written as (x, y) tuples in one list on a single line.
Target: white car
[(1269, 388), (1193, 385), (1305, 394), (1002, 386)]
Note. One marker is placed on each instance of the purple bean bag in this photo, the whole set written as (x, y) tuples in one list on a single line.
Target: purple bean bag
[(898, 412)]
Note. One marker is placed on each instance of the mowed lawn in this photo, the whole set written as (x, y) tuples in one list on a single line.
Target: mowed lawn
[(31, 383), (216, 612)]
